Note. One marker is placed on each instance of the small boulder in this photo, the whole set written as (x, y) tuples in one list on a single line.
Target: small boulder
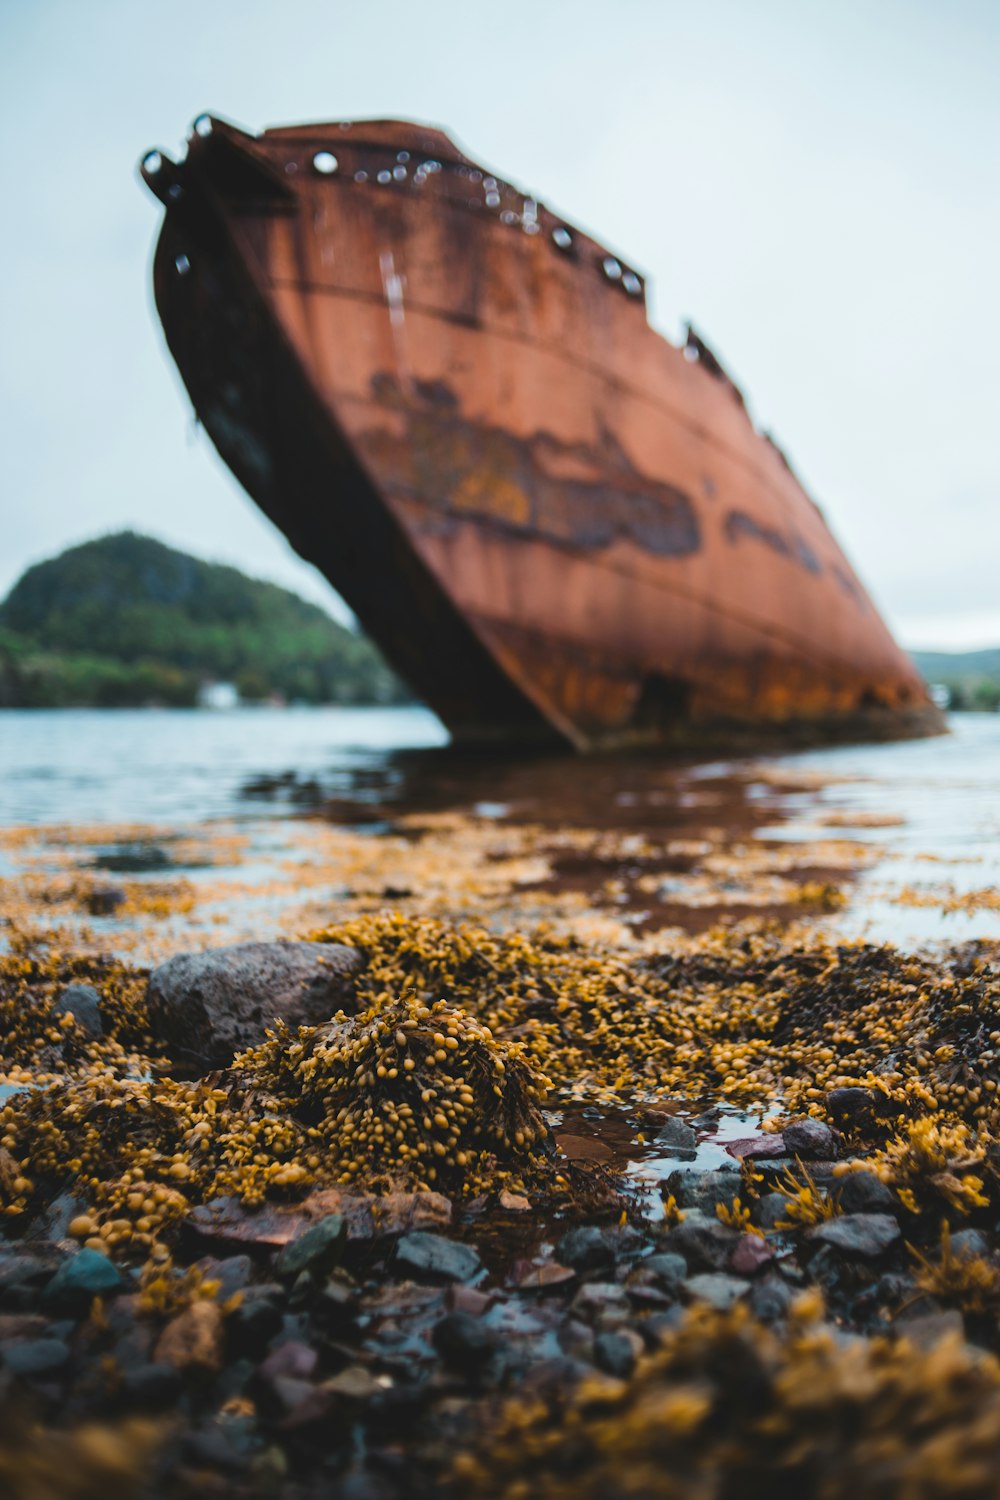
[(209, 1006)]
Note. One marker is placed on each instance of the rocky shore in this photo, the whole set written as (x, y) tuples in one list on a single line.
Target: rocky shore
[(416, 1208)]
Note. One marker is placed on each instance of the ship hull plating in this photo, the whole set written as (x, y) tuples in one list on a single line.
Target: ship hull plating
[(555, 524)]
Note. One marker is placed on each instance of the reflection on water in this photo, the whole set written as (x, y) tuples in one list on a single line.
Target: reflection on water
[(911, 829)]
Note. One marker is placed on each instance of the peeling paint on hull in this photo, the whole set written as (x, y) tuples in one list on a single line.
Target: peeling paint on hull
[(555, 524)]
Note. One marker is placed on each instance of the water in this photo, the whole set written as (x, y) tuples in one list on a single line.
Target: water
[(184, 766), (935, 874)]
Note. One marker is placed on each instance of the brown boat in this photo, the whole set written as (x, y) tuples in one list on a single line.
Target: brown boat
[(555, 524)]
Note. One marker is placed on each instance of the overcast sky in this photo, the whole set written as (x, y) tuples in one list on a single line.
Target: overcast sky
[(813, 182)]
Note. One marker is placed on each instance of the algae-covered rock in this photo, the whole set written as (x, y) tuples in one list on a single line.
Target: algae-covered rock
[(208, 1006)]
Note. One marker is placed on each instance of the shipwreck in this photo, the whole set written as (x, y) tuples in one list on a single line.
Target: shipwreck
[(557, 525)]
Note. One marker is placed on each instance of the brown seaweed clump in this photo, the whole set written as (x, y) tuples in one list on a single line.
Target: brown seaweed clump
[(406, 1095), (406, 1092), (726, 1407)]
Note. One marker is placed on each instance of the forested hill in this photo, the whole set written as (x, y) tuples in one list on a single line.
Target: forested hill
[(971, 677), (127, 620)]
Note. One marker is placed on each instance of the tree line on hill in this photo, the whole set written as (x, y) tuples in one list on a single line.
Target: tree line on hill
[(126, 621)]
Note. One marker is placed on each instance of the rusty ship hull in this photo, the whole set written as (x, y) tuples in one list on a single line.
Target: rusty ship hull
[(557, 525)]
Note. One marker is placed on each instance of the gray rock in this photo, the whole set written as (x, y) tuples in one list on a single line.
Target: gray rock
[(704, 1242), (715, 1288), (432, 1255), (318, 1248), (151, 1387), (464, 1342), (676, 1136), (29, 1357), (83, 1003), (585, 1249), (929, 1328), (770, 1210), (616, 1352), (809, 1138), (667, 1268), (89, 1274), (704, 1189), (208, 1006), (969, 1244), (864, 1193), (601, 1303), (857, 1234), (770, 1298)]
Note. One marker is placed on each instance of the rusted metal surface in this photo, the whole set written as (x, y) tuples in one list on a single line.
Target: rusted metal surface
[(554, 523)]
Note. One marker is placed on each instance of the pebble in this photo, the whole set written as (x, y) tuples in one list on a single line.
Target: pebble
[(969, 1244), (83, 1003), (750, 1254), (87, 1275), (616, 1352), (193, 1339), (318, 1247), (703, 1190), (717, 1289), (809, 1138), (585, 1249), (864, 1193), (857, 1234), (676, 1138), (29, 1357), (704, 1242), (666, 1267), (464, 1342), (433, 1255)]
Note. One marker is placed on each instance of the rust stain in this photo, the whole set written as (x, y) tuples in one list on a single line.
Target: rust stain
[(556, 524)]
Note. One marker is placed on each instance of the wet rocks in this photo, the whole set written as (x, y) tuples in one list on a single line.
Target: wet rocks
[(864, 1193), (464, 1341), (586, 1249), (703, 1242), (208, 1006), (193, 1339), (78, 1281), (703, 1190), (83, 1003), (317, 1248), (432, 1256), (676, 1138), (616, 1353), (717, 1289), (30, 1358), (867, 1235), (809, 1138)]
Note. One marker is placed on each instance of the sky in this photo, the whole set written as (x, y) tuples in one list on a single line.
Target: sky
[(814, 185)]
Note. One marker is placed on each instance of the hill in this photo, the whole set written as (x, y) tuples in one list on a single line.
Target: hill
[(971, 677), (126, 620)]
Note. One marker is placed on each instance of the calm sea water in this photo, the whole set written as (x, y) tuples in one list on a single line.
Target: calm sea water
[(186, 765), (174, 769)]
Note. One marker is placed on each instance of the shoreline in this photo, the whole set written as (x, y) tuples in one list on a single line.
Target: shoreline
[(726, 1160)]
